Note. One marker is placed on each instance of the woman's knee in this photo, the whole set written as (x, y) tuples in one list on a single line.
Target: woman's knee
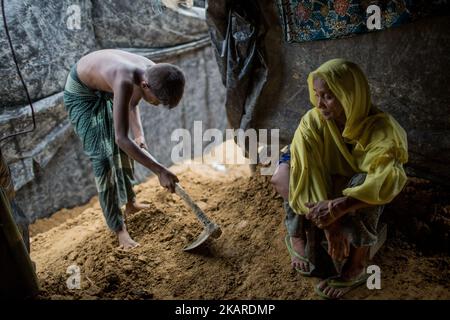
[(281, 174), (280, 179)]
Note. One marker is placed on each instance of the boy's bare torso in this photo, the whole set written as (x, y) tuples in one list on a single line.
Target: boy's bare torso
[(100, 70)]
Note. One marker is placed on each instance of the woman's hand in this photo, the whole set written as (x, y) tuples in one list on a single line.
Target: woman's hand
[(321, 213), (338, 244)]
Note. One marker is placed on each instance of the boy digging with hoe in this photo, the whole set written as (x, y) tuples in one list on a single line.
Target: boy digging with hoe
[(101, 95)]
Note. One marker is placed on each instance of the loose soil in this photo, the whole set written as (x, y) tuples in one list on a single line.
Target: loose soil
[(249, 260)]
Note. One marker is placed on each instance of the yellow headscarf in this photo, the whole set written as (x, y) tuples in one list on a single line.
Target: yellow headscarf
[(318, 150)]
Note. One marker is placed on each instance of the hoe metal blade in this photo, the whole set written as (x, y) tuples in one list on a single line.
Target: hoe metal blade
[(210, 228)]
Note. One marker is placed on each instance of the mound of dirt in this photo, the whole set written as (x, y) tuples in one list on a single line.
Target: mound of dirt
[(59, 217), (249, 260)]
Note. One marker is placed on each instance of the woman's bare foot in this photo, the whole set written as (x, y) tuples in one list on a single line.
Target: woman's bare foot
[(133, 206), (353, 269), (298, 245), (125, 241)]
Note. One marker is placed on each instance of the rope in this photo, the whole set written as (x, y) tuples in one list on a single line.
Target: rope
[(20, 76)]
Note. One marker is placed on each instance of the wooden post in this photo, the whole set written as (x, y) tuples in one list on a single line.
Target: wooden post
[(17, 276)]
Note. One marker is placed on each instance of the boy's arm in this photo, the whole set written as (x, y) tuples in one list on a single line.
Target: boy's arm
[(122, 96), (136, 125)]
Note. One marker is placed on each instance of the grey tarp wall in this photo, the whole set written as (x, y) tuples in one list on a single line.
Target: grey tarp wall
[(47, 42), (49, 168), (265, 77)]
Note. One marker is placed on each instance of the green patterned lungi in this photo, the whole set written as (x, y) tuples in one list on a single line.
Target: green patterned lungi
[(90, 112)]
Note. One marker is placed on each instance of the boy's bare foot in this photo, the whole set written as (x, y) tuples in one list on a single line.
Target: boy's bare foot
[(133, 206), (298, 245), (125, 241)]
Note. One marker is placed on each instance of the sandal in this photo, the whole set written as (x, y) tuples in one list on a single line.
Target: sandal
[(295, 254), (336, 283)]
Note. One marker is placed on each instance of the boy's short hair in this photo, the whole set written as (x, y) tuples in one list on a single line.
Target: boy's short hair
[(166, 82)]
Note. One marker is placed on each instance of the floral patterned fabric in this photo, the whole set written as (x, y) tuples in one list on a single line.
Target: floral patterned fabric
[(308, 20)]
